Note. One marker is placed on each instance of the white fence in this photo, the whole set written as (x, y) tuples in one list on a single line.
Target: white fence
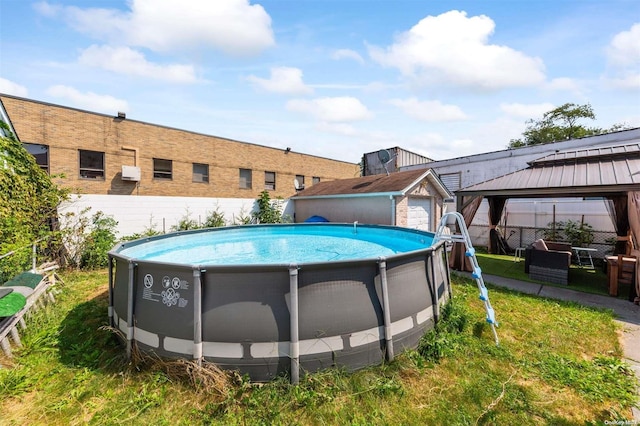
[(134, 214)]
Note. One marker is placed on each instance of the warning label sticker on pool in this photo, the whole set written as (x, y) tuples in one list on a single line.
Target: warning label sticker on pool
[(169, 293)]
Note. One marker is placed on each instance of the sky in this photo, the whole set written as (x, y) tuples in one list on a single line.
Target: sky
[(333, 78)]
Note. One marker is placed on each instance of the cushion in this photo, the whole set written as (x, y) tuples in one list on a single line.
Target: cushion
[(4, 291), (540, 245), (26, 279), (11, 304)]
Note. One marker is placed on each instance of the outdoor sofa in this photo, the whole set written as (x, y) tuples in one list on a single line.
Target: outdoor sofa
[(548, 261)]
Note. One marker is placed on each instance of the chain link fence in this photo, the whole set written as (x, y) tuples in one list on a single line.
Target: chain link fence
[(522, 236)]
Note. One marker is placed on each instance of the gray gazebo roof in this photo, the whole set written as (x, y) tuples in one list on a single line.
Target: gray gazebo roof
[(595, 171)]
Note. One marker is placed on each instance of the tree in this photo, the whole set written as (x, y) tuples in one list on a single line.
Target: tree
[(559, 124)]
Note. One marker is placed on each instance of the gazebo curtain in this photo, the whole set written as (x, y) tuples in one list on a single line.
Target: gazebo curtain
[(634, 225), (618, 208), (468, 206), (496, 206)]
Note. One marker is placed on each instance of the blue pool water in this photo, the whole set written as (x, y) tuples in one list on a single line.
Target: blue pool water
[(281, 244)]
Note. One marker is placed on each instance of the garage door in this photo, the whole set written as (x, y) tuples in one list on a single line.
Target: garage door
[(419, 213)]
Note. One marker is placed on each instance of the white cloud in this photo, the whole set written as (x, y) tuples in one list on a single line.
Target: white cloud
[(430, 111), (124, 60), (11, 88), (347, 54), (284, 80), (527, 111), (235, 27), (624, 49), (89, 100), (333, 110), (453, 49), (630, 81), (623, 55), (46, 9)]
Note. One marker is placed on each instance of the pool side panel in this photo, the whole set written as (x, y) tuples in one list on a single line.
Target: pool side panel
[(246, 318)]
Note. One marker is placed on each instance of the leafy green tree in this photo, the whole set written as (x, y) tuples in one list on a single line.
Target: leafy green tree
[(559, 124)]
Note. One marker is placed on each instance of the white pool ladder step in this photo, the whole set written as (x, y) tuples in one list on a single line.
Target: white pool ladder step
[(444, 233)]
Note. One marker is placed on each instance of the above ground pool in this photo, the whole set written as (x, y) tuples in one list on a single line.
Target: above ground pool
[(279, 299)]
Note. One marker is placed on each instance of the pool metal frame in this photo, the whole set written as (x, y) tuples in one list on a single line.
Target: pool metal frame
[(297, 313)]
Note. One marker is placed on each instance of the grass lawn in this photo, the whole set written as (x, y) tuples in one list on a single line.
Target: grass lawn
[(581, 279), (558, 363)]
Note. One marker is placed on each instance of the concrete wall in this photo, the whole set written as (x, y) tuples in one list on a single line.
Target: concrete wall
[(135, 214), (372, 210), (66, 131)]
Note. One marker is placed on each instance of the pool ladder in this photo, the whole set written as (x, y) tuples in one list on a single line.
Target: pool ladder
[(443, 233)]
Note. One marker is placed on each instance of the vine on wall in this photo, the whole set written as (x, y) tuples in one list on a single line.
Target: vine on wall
[(29, 200)]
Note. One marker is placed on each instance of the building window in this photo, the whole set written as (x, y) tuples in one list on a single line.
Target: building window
[(40, 153), (299, 182), (270, 180), (201, 173), (162, 169), (315, 180), (91, 164), (245, 178)]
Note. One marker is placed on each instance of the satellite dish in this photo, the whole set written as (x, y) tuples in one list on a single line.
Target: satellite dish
[(384, 156), (297, 185)]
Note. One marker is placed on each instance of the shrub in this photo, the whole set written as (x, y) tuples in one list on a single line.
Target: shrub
[(214, 219), (578, 234), (269, 211), (98, 242), (185, 223)]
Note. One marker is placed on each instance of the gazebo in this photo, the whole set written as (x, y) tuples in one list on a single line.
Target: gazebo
[(611, 172)]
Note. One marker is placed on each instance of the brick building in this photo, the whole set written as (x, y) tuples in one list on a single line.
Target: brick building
[(101, 154)]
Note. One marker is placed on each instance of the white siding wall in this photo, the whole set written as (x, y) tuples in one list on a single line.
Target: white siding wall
[(136, 213)]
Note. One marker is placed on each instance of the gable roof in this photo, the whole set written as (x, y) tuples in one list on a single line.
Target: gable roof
[(393, 184), (593, 171)]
